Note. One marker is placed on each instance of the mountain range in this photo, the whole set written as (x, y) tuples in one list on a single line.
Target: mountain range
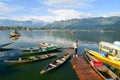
[(104, 23), (28, 23)]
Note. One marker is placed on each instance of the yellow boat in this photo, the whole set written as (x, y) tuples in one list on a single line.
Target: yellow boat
[(114, 61)]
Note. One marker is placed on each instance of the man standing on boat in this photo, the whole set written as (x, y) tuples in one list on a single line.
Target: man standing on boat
[(75, 46)]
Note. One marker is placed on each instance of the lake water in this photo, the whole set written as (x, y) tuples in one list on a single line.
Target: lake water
[(31, 71)]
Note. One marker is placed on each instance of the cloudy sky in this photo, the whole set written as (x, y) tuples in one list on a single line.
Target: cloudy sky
[(52, 10)]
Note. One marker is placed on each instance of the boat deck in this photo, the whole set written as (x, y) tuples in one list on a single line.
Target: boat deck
[(83, 70)]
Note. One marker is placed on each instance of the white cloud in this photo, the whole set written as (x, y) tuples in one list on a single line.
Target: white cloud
[(111, 14), (5, 9), (57, 15), (31, 17), (63, 10), (65, 14), (68, 3)]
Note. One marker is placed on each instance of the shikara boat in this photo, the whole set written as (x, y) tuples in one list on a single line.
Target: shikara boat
[(56, 63), (31, 58), (113, 63), (33, 50), (99, 66), (14, 34), (105, 56)]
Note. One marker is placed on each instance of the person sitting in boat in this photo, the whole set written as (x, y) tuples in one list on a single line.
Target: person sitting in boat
[(113, 55), (112, 52)]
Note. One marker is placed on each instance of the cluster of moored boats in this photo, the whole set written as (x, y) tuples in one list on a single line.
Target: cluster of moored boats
[(100, 67), (100, 61), (103, 61), (108, 53), (41, 53)]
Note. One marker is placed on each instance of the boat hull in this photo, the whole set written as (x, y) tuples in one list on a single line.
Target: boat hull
[(33, 59), (39, 50)]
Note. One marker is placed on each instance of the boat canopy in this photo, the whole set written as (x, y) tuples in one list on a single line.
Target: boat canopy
[(117, 43), (109, 45), (106, 46)]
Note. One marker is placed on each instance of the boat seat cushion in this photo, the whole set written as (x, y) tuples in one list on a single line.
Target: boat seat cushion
[(95, 63)]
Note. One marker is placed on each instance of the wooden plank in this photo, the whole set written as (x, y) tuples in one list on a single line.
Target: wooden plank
[(83, 70)]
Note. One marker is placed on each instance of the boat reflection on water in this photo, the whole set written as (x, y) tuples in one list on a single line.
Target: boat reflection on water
[(14, 38)]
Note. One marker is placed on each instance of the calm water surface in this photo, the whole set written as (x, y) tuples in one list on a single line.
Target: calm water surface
[(30, 71)]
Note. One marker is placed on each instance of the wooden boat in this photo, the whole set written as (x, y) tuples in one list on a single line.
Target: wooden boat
[(56, 63), (100, 66), (4, 48), (14, 34), (31, 58), (3, 45), (33, 50)]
